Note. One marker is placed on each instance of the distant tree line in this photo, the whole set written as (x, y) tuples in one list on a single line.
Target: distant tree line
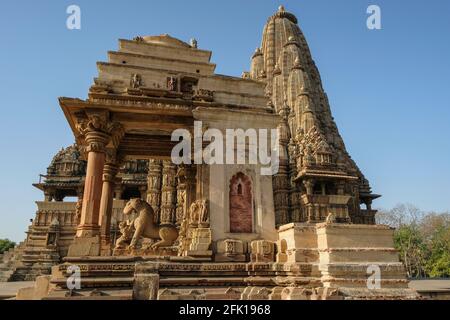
[(6, 244), (422, 239)]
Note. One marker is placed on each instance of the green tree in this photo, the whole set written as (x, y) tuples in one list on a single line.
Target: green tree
[(5, 245), (413, 251), (422, 239), (438, 265)]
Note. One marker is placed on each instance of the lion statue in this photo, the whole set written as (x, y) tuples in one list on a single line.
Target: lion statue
[(145, 226)]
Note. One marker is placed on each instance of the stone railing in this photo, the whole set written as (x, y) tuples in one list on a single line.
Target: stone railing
[(48, 211)]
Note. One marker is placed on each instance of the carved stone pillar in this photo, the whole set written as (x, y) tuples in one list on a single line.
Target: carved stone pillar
[(169, 193), (89, 226), (202, 187), (181, 195), (97, 131), (110, 171), (118, 192), (48, 196), (185, 192), (80, 193), (154, 186), (188, 176), (191, 185), (143, 192), (309, 186)]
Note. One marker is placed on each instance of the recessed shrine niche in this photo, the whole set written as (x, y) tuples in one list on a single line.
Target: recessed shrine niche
[(241, 204)]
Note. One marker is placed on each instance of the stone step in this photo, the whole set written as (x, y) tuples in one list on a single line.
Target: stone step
[(5, 276), (378, 294), (98, 282), (92, 294)]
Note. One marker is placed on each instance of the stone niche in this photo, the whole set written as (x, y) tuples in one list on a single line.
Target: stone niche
[(231, 250), (241, 204)]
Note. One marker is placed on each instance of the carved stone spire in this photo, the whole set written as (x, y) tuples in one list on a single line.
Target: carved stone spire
[(293, 83)]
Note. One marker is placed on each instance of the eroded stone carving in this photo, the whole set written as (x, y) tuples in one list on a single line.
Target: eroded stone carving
[(126, 230), (172, 84), (136, 81), (198, 213), (231, 250), (331, 218), (262, 251)]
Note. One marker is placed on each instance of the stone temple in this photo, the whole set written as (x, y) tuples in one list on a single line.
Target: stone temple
[(145, 228)]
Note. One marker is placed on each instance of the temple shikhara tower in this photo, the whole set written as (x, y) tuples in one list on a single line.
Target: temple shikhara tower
[(139, 226), (318, 176)]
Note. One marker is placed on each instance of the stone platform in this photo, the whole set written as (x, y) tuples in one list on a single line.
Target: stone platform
[(313, 262)]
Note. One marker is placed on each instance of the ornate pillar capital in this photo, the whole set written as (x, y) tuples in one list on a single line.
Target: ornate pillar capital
[(97, 130), (109, 172), (113, 157)]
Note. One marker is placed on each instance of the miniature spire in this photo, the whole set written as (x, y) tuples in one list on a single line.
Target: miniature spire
[(297, 64)]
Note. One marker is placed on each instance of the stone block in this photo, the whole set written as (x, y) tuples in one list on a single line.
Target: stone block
[(174, 294), (231, 250), (255, 293), (299, 241), (201, 239), (145, 286), (262, 251), (276, 293), (296, 293), (25, 294), (228, 294), (85, 247), (282, 255), (38, 291), (330, 236)]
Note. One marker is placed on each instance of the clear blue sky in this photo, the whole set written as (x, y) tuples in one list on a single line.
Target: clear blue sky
[(389, 89)]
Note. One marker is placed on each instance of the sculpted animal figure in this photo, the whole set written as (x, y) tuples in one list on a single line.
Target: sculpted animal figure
[(145, 226)]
